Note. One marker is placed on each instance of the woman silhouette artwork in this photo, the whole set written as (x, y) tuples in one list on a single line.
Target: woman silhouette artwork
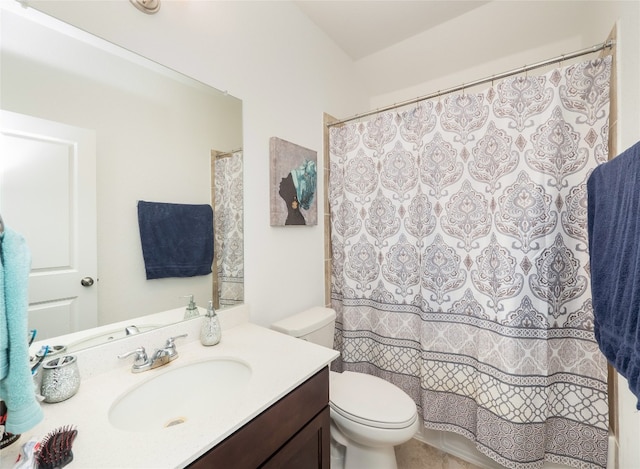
[(297, 189)]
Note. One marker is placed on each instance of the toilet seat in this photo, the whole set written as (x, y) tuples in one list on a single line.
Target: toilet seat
[(370, 401)]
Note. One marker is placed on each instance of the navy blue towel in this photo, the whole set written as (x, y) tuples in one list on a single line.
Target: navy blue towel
[(613, 224), (177, 239)]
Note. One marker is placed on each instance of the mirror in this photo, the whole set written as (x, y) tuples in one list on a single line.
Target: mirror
[(157, 134)]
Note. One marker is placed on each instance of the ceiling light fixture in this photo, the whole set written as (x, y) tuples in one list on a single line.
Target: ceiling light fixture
[(147, 6)]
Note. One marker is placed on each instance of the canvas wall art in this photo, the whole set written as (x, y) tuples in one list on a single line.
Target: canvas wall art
[(294, 184)]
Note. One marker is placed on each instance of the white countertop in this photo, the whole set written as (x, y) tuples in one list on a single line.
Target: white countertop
[(279, 364)]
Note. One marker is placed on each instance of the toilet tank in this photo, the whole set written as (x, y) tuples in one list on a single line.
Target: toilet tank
[(315, 325)]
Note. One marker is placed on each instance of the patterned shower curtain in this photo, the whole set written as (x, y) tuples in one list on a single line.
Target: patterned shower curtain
[(460, 267), (228, 229)]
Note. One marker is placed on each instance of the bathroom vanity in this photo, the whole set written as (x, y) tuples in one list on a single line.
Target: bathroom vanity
[(258, 399), (292, 433)]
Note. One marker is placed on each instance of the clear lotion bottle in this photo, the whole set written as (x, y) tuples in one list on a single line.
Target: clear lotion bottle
[(210, 333)]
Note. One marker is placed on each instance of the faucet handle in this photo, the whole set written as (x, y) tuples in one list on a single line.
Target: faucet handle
[(171, 340), (170, 346), (140, 356)]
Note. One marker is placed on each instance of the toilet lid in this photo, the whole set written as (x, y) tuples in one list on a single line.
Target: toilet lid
[(370, 400)]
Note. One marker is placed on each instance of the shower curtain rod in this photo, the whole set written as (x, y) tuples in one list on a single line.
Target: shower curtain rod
[(589, 50), (228, 153)]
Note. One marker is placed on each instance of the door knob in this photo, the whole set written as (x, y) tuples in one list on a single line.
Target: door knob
[(86, 282)]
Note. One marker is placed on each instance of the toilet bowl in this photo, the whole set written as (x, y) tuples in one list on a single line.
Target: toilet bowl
[(369, 416)]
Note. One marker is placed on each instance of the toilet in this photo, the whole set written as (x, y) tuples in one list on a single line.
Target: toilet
[(369, 416)]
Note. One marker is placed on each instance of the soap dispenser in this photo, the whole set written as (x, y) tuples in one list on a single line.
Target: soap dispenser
[(192, 309), (210, 333)]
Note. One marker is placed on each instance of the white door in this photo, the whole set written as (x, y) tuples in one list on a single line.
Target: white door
[(48, 194)]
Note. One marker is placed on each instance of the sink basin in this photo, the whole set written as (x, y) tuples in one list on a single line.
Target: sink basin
[(192, 392)]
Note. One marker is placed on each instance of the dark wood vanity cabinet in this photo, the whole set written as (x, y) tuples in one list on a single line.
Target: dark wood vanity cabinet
[(291, 434)]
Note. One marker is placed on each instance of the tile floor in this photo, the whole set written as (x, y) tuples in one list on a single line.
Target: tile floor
[(417, 455)]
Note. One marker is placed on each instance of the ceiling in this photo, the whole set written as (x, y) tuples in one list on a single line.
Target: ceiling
[(363, 27)]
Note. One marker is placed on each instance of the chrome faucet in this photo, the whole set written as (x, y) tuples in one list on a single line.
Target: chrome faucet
[(142, 362)]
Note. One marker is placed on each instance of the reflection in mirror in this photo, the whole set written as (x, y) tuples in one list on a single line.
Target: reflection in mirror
[(227, 199), (99, 128)]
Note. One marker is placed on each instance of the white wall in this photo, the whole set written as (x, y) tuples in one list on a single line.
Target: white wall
[(496, 37)]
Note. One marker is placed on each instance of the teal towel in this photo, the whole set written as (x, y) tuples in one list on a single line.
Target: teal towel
[(4, 332), (17, 389)]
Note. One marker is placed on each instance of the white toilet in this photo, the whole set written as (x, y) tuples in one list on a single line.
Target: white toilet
[(369, 416)]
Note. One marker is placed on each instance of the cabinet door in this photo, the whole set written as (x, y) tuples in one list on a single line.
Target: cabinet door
[(308, 449)]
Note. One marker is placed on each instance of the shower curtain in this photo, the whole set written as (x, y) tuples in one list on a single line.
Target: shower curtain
[(460, 266), (228, 229)]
